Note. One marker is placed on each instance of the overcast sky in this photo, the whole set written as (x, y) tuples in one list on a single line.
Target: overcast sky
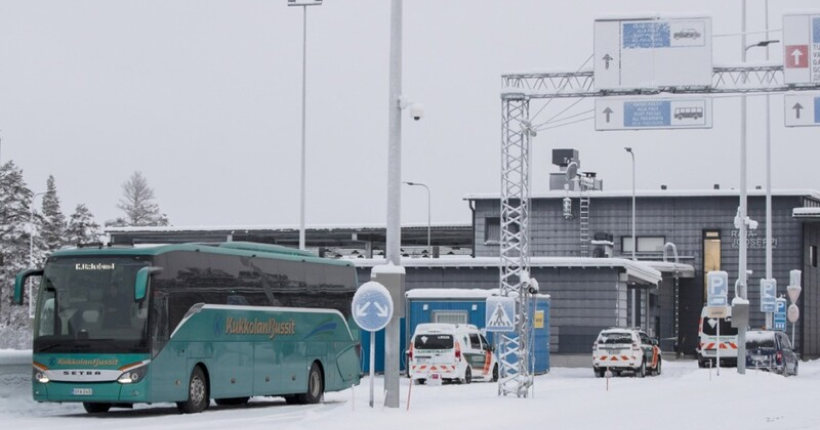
[(204, 98)]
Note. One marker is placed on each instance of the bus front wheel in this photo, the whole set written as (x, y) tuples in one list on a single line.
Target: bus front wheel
[(96, 408), (198, 398)]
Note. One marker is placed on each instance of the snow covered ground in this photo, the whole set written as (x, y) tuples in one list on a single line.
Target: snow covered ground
[(684, 397)]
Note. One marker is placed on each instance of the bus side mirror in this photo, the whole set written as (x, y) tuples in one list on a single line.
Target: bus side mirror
[(20, 281), (141, 283)]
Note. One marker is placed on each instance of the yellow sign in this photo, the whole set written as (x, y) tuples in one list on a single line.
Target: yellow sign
[(539, 319)]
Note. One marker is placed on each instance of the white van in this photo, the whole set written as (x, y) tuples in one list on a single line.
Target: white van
[(454, 352), (708, 342)]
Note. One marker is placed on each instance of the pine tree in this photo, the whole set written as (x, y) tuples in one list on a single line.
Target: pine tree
[(81, 227), (15, 231), (137, 203), (54, 225)]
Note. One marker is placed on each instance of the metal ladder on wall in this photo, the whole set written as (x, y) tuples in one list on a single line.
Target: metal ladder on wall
[(584, 220)]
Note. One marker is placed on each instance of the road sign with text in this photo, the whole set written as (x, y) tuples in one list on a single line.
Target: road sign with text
[(615, 113), (652, 52), (801, 48), (802, 110)]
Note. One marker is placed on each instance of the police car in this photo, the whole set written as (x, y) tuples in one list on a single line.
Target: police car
[(625, 350)]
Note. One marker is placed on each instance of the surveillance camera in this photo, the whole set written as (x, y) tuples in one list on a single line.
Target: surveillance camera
[(417, 111)]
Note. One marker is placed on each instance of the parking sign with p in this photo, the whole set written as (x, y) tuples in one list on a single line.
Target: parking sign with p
[(718, 288)]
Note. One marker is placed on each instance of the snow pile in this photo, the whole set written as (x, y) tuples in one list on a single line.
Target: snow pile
[(683, 397)]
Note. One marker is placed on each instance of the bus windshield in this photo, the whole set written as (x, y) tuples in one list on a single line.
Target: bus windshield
[(86, 304)]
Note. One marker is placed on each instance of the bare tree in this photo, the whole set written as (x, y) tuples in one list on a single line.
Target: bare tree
[(137, 203)]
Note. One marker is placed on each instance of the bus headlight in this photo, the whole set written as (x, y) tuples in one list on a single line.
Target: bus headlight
[(39, 373), (133, 374), (40, 377)]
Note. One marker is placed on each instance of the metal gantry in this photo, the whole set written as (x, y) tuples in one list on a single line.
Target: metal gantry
[(515, 377), (516, 134)]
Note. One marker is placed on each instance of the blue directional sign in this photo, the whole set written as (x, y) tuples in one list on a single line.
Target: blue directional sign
[(372, 306), (618, 113), (637, 35), (500, 315), (650, 52), (768, 295), (780, 315), (717, 288)]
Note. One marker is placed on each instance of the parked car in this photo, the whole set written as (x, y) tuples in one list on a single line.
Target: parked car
[(625, 350), (772, 351), (451, 352)]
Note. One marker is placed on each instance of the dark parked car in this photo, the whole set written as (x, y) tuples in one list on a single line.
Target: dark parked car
[(772, 351)]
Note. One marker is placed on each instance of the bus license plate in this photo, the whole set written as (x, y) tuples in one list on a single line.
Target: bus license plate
[(82, 392)]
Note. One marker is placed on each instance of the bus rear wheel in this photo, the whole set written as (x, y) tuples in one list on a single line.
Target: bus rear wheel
[(316, 386), (96, 408), (198, 398), (315, 389)]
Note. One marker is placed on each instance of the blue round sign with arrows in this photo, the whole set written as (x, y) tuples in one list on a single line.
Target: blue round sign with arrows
[(372, 306)]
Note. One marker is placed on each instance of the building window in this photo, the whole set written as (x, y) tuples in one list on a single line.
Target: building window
[(450, 317), (650, 244), (711, 255), (813, 255), (492, 230)]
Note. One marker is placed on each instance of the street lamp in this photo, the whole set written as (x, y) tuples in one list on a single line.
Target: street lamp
[(429, 250), (634, 239), (304, 4), (31, 252), (762, 43), (31, 230)]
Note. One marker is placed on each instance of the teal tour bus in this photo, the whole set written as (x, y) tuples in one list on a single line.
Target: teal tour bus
[(115, 326)]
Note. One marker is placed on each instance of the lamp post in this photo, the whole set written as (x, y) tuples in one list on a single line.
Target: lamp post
[(304, 4), (31, 252), (742, 284), (429, 249), (634, 239)]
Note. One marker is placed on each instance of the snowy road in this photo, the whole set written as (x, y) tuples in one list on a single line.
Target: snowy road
[(684, 397)]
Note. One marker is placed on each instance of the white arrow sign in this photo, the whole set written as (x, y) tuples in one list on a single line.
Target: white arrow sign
[(802, 110), (796, 54), (383, 310), (360, 311)]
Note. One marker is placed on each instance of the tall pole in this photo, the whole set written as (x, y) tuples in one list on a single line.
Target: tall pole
[(634, 239), (391, 333), (429, 248), (768, 179), (304, 110), (31, 252), (741, 276)]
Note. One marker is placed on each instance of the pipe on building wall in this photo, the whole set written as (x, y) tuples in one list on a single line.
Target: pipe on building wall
[(472, 209)]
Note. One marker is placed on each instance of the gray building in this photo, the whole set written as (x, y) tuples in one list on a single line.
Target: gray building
[(700, 224)]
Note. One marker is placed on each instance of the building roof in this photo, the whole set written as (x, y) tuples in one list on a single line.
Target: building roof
[(639, 272), (352, 235), (660, 193), (457, 293), (806, 214)]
